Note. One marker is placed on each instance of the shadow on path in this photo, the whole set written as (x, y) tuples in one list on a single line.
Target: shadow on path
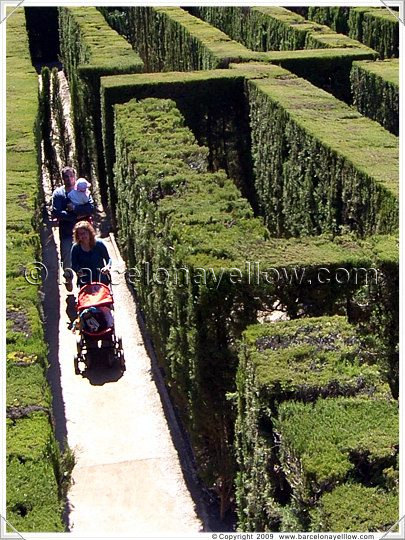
[(100, 375), (51, 306)]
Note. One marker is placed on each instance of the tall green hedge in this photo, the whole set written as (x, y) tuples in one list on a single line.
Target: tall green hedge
[(334, 441), (156, 31), (375, 89), (319, 165), (89, 50), (306, 360), (279, 29), (354, 507), (170, 39), (172, 214), (335, 17), (272, 28), (220, 124), (32, 461), (377, 28)]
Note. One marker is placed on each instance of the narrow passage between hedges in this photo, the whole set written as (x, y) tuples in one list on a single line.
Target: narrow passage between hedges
[(127, 477)]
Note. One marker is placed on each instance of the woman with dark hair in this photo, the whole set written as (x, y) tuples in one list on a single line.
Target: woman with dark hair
[(90, 258)]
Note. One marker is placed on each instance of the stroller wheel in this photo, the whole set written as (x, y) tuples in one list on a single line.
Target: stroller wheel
[(88, 361), (76, 363), (111, 357), (118, 341), (122, 362)]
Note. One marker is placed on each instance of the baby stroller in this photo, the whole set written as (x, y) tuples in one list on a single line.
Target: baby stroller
[(97, 334)]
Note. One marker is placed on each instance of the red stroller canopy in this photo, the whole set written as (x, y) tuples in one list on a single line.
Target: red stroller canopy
[(94, 294)]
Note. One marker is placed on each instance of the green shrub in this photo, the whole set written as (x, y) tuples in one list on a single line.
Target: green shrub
[(353, 507), (375, 89), (302, 359), (29, 438), (272, 28), (27, 386), (170, 39), (306, 358), (319, 165), (32, 501), (332, 440), (219, 124), (334, 17), (155, 32), (279, 29), (377, 28)]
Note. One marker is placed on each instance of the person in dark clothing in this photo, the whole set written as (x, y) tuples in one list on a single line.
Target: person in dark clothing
[(68, 214), (90, 258)]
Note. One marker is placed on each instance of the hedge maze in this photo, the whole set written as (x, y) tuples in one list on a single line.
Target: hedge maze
[(242, 150)]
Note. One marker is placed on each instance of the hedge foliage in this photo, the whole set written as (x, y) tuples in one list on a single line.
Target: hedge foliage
[(170, 39), (304, 360), (176, 40), (319, 165), (33, 502), (220, 124), (377, 28), (363, 431), (173, 214), (353, 507), (89, 50), (375, 89), (193, 94), (308, 358), (335, 17), (278, 29), (272, 28)]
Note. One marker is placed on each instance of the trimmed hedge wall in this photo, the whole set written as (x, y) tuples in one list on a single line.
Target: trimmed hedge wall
[(221, 124), (375, 27), (319, 165), (218, 123), (272, 28), (202, 46), (33, 460), (279, 29), (172, 214), (170, 39), (353, 507), (89, 50), (335, 17), (317, 454), (375, 89), (305, 360)]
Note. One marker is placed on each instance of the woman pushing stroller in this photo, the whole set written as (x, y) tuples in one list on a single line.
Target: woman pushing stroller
[(90, 258), (92, 264)]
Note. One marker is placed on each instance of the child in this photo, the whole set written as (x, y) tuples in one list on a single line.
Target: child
[(81, 193)]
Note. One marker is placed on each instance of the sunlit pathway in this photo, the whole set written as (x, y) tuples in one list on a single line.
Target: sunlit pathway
[(127, 477)]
